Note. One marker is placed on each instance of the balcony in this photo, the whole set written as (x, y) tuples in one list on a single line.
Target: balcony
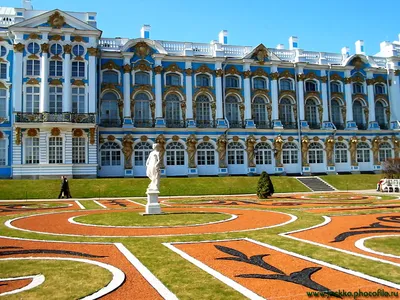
[(339, 126), (236, 124), (362, 126), (143, 123), (314, 125), (174, 123), (110, 123), (55, 117), (204, 124), (263, 124), (384, 126), (289, 125)]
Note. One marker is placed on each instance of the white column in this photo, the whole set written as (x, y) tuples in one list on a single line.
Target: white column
[(127, 91), (324, 96), (394, 97), (17, 77), (300, 93), (92, 82), (247, 94), (371, 98), (67, 97), (158, 70), (189, 93), (218, 90), (44, 79), (348, 97), (274, 92), (68, 147)]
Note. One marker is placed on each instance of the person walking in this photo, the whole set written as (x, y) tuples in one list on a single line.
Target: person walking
[(64, 188)]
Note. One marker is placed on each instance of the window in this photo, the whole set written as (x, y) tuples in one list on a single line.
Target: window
[(33, 67), (358, 114), (78, 50), (235, 153), (289, 153), (78, 69), (78, 150), (315, 153), (55, 150), (336, 87), (173, 79), (31, 150), (385, 151), (379, 89), (286, 85), (205, 154), (285, 111), (231, 82), (110, 77), (144, 78), (203, 111), (142, 110), (3, 103), (358, 88), (340, 153), (380, 114), (175, 154), (142, 151), (3, 152), (3, 51), (109, 110), (312, 113), (110, 153), (363, 152), (260, 83), (56, 49), (263, 154), (173, 111), (33, 48), (311, 86), (260, 112), (56, 68), (202, 80), (232, 111), (55, 97), (3, 70), (32, 99), (78, 100), (336, 113)]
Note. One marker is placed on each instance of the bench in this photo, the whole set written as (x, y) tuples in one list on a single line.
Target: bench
[(390, 185)]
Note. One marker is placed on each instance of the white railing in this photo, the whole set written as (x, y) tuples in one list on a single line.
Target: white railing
[(202, 49), (283, 54), (112, 44), (235, 50), (173, 47), (380, 61), (6, 20), (333, 58)]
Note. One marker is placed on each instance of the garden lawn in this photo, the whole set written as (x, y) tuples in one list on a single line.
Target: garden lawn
[(136, 187), (389, 245), (353, 181)]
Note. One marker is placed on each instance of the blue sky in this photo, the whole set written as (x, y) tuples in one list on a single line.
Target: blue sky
[(320, 25)]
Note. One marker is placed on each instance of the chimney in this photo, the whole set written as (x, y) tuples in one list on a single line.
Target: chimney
[(223, 37), (293, 43), (26, 4), (145, 32), (280, 46), (360, 47), (346, 51)]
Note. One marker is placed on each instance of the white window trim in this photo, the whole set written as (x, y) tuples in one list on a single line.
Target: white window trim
[(7, 70), (384, 88), (25, 136), (62, 135), (186, 159), (86, 69), (169, 72), (24, 87), (263, 77), (206, 73), (86, 99), (84, 50), (62, 73), (316, 83), (288, 78), (150, 75), (25, 63), (62, 48), (336, 81), (85, 136), (8, 95), (105, 70), (6, 138), (234, 75), (8, 49)]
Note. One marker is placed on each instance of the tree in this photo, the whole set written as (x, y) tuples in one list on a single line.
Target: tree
[(265, 187), (391, 168)]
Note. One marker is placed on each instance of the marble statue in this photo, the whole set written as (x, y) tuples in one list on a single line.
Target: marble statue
[(153, 164)]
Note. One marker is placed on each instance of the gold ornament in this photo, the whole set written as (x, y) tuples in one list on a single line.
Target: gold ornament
[(55, 131), (56, 20)]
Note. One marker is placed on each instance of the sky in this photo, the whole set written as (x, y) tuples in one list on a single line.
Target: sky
[(320, 25)]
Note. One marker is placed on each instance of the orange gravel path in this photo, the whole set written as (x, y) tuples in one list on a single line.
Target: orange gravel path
[(11, 285)]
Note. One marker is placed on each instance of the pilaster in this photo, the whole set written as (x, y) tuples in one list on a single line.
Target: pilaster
[(44, 82), (67, 98), (189, 94), (128, 123)]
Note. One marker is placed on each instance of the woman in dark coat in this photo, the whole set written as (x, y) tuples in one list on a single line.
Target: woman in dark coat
[(64, 188)]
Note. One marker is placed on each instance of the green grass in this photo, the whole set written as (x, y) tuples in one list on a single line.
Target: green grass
[(89, 204), (353, 181), (127, 218), (136, 187), (389, 245)]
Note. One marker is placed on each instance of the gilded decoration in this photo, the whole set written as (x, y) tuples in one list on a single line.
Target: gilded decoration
[(311, 75), (56, 20), (101, 138), (286, 74), (362, 96), (33, 81), (78, 82), (142, 88), (375, 149), (396, 72), (110, 65), (366, 112), (235, 138), (301, 77), (174, 89), (183, 108), (357, 63), (144, 138), (79, 58), (204, 90), (219, 72), (173, 68), (111, 138), (19, 47), (287, 93), (188, 72), (160, 140), (213, 110), (343, 107), (274, 76), (55, 82), (142, 49), (111, 87), (33, 36), (263, 139), (2, 85), (396, 146), (1, 135), (153, 109), (32, 132), (315, 139), (126, 68), (337, 94), (261, 72), (357, 78), (77, 39), (295, 112), (33, 56), (175, 138), (142, 66), (127, 150), (206, 138), (363, 139), (242, 109), (382, 96), (370, 81), (78, 132), (92, 51), (329, 148), (203, 69), (353, 151), (44, 47), (55, 131), (387, 111), (290, 139), (336, 77), (313, 94), (221, 149), (56, 57), (340, 138), (269, 111), (232, 71), (260, 54), (247, 74), (380, 79), (323, 79), (158, 69), (320, 111), (121, 109), (67, 49), (385, 138), (191, 142), (250, 142), (347, 80), (278, 142), (260, 92), (18, 136), (55, 37), (304, 150)]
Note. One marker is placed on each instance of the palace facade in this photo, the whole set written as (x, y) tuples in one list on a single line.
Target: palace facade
[(74, 103)]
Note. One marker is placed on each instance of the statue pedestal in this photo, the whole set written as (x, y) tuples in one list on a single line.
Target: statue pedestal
[(152, 206)]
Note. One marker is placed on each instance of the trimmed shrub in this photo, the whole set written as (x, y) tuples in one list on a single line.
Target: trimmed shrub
[(265, 187)]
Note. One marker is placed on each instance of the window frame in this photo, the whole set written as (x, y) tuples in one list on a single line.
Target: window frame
[(236, 154), (341, 153), (29, 148), (34, 94), (114, 71), (57, 148), (171, 75), (78, 70), (5, 151), (56, 68), (263, 153), (143, 153), (77, 153), (175, 156), (233, 77), (362, 156), (290, 155), (206, 155), (316, 154)]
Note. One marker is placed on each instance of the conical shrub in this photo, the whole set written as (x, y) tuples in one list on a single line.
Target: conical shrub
[(265, 188)]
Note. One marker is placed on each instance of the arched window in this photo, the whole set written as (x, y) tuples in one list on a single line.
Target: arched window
[(173, 79), (385, 151), (315, 153), (175, 154), (232, 111), (202, 80), (231, 82), (358, 114), (290, 153), (56, 49), (311, 86), (380, 114), (286, 85), (340, 153), (363, 152), (55, 99), (336, 87), (260, 83), (110, 110), (336, 114), (263, 153), (205, 154), (312, 113), (33, 48), (260, 112), (110, 77), (55, 150), (144, 78), (235, 153), (379, 89), (110, 153), (173, 111), (286, 113), (203, 119), (142, 151), (32, 150), (142, 111), (358, 88), (78, 150)]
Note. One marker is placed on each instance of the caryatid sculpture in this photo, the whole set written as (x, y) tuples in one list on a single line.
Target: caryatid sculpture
[(127, 150), (221, 148), (160, 140), (278, 141), (329, 148), (191, 149), (153, 170), (250, 142)]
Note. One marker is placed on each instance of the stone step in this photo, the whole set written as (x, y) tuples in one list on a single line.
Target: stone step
[(315, 184)]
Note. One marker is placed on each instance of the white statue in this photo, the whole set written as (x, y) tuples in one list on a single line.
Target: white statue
[(153, 168)]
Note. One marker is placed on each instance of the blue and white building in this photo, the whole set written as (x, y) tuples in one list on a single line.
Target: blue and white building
[(74, 103)]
